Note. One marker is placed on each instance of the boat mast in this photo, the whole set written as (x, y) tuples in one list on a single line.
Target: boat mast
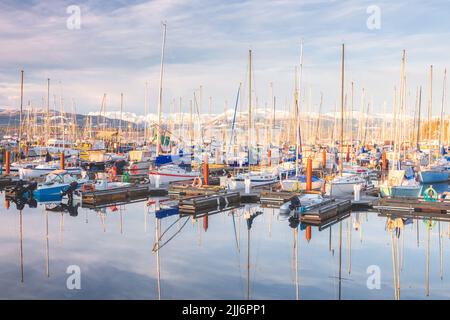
[(298, 141), (430, 110), (21, 107), (249, 124), (47, 132), (146, 112), (442, 111), (342, 114), (158, 138), (418, 119)]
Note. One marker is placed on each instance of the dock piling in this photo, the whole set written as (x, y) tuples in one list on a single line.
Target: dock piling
[(7, 162), (205, 170), (309, 175), (324, 160), (383, 161), (62, 161)]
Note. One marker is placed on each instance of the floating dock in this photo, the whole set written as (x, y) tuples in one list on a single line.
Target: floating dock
[(139, 191), (274, 199), (326, 210), (193, 205), (413, 205)]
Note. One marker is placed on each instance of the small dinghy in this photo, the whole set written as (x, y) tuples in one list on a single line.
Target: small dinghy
[(301, 203), (56, 183)]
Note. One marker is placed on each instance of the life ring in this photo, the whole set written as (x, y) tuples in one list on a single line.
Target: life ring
[(134, 169), (430, 194), (197, 182)]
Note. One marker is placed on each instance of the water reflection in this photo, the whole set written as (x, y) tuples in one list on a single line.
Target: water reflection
[(146, 250)]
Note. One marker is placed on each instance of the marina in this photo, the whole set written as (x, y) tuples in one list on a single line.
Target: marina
[(246, 159)]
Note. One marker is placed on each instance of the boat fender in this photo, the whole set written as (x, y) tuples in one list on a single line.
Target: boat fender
[(197, 182)]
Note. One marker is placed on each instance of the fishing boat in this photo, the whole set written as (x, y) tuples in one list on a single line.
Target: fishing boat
[(433, 175), (344, 185), (399, 186), (301, 203), (299, 183), (256, 178), (56, 182), (44, 169), (139, 160), (171, 173)]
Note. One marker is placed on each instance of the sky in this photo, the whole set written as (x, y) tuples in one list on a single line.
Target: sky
[(117, 48)]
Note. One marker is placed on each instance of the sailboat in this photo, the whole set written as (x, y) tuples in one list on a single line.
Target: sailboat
[(398, 184), (344, 185), (439, 172), (298, 182), (256, 178)]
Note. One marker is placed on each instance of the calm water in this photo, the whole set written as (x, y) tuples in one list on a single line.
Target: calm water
[(113, 249)]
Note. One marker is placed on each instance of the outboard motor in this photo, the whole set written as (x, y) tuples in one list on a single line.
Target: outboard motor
[(69, 191), (295, 203), (30, 187)]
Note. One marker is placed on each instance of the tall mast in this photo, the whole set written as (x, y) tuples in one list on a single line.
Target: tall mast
[(298, 139), (249, 124), (48, 126), (341, 160), (145, 111), (158, 138), (21, 108), (121, 116), (299, 94), (442, 110), (430, 103), (296, 122)]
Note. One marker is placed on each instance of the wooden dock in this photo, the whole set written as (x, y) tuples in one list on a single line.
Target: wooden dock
[(125, 194), (186, 189), (274, 199), (413, 204), (326, 223), (419, 215), (193, 205), (326, 210)]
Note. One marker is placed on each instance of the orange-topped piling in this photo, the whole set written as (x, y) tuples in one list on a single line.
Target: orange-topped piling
[(309, 175), (62, 161), (308, 233), (7, 162), (205, 170), (324, 159), (383, 161), (205, 223)]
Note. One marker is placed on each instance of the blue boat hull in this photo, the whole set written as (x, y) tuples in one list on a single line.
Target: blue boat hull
[(51, 192), (433, 176)]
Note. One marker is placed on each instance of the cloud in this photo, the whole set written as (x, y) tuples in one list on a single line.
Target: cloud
[(118, 49)]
